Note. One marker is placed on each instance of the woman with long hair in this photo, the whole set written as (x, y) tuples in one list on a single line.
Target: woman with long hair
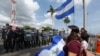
[(73, 43)]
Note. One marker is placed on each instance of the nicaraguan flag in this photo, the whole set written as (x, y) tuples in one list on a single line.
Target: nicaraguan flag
[(65, 9), (55, 49)]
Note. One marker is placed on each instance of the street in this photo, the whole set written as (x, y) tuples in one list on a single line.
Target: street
[(25, 52)]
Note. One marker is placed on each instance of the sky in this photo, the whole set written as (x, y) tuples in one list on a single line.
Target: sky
[(34, 13)]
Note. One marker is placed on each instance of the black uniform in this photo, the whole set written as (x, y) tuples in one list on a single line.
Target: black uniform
[(38, 38), (17, 39), (9, 40), (4, 37), (22, 38)]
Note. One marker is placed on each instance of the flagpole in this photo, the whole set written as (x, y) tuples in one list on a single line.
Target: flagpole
[(52, 22), (74, 14), (84, 14)]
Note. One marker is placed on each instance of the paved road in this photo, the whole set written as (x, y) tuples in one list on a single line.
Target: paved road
[(26, 52), (1, 45)]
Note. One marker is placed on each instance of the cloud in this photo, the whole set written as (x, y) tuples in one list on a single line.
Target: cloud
[(4, 19), (47, 22), (32, 5), (77, 2), (60, 1), (25, 11)]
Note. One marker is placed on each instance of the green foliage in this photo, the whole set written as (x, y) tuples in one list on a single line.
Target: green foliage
[(66, 20), (47, 28), (26, 27), (52, 10)]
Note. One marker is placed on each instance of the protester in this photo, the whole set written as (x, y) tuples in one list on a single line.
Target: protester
[(55, 49), (84, 34), (84, 37), (84, 42), (73, 43)]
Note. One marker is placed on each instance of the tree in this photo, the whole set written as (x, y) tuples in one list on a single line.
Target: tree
[(52, 10), (47, 28), (26, 27), (66, 21)]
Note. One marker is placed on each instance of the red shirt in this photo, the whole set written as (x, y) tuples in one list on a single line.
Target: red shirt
[(73, 46)]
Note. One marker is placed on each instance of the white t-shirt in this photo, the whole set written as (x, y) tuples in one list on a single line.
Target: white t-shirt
[(84, 44)]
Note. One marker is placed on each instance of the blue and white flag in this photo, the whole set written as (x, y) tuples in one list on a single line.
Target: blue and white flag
[(55, 49), (65, 9)]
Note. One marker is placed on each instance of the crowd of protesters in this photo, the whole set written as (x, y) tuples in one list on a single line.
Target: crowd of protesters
[(77, 43), (21, 39)]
